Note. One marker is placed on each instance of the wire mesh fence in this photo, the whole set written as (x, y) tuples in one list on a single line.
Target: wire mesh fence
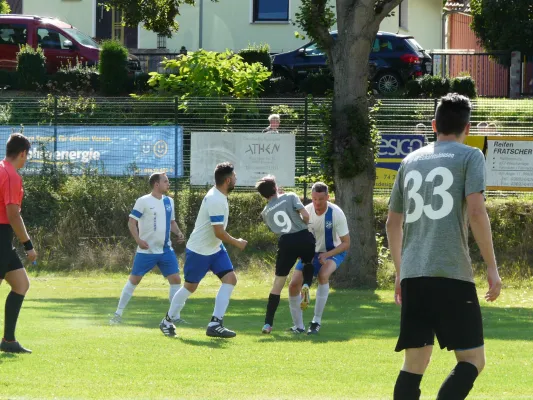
[(126, 130)]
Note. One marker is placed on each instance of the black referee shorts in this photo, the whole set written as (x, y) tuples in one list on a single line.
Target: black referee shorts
[(447, 308), (9, 259), (292, 246)]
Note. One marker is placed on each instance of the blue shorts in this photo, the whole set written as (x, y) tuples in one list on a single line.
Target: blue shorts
[(339, 258), (144, 263), (196, 265)]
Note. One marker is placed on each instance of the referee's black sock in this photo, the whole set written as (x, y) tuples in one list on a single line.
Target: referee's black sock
[(407, 386), (13, 305), (459, 383), (308, 271), (272, 306)]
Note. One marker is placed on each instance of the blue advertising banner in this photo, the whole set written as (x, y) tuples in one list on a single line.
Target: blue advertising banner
[(392, 150), (113, 150)]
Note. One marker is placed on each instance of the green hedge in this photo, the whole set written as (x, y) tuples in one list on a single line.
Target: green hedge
[(257, 53), (9, 80), (75, 78), (435, 86), (113, 68), (31, 67), (81, 223)]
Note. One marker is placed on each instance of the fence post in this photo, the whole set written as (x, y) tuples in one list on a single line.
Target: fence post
[(306, 120), (55, 125), (176, 179), (435, 104)]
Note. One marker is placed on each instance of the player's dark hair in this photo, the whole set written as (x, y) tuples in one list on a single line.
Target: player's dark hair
[(223, 171), (16, 144), (453, 114), (320, 187), (155, 178), (266, 186)]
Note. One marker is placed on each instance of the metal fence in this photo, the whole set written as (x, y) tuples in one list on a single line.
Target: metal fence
[(300, 117), (526, 87), (151, 62), (490, 70)]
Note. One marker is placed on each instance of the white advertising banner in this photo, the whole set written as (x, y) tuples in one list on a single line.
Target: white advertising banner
[(254, 155), (509, 162)]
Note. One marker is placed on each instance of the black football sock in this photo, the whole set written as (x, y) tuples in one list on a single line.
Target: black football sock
[(459, 383), (308, 271), (13, 305), (407, 386), (272, 306)]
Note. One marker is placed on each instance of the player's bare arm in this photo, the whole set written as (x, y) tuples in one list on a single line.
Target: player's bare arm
[(480, 226), (304, 214), (221, 234), (134, 230), (16, 222), (394, 228), (174, 228)]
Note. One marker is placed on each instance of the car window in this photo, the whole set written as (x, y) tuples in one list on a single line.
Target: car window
[(13, 34), (313, 50), (51, 39), (415, 44), (383, 45)]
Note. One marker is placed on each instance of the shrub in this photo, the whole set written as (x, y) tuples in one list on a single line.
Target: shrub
[(434, 86), (8, 80), (139, 83), (464, 85), (278, 86), (31, 67), (113, 68), (75, 78), (317, 84), (210, 74), (257, 54), (413, 89)]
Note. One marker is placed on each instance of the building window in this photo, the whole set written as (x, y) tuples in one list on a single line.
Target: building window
[(404, 14), (270, 10), (161, 42)]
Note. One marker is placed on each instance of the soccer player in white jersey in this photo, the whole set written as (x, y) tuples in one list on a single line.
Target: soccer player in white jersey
[(205, 252), (328, 224), (438, 192), (150, 223)]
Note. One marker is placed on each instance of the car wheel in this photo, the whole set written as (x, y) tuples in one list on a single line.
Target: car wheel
[(388, 82)]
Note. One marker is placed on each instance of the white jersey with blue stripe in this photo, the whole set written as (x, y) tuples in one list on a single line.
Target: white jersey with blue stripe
[(213, 211), (154, 217), (328, 227)]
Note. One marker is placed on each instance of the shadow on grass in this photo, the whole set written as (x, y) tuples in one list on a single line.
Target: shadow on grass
[(349, 314), (7, 357)]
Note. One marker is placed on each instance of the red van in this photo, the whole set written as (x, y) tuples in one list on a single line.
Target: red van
[(61, 42)]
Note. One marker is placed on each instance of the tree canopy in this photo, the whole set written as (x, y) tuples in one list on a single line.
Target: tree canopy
[(4, 7), (503, 25)]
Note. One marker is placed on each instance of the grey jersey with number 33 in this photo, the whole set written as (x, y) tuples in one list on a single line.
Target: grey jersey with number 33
[(430, 191), (282, 216)]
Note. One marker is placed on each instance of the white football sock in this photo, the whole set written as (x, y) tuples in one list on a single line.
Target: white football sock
[(172, 291), (222, 301), (296, 311), (178, 302), (125, 297), (320, 302)]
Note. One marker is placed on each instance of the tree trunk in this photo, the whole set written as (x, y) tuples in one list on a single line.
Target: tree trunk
[(354, 165)]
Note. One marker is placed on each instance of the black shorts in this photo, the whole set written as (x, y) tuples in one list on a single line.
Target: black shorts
[(448, 308), (291, 247), (9, 259)]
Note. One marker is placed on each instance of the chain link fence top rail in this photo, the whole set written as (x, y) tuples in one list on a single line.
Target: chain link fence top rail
[(299, 117)]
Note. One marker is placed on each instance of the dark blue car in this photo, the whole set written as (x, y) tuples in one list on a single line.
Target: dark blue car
[(394, 60)]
